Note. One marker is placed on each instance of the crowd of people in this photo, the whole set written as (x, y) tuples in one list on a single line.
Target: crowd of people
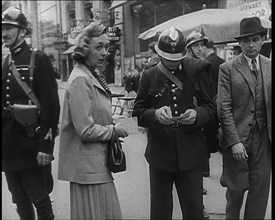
[(191, 102)]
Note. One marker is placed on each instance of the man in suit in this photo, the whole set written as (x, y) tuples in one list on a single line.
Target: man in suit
[(244, 111), (176, 145), (27, 156)]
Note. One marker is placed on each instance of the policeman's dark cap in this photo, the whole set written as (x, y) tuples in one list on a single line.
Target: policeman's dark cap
[(251, 26), (171, 44), (14, 16)]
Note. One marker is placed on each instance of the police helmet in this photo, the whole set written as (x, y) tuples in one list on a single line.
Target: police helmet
[(194, 37), (14, 16), (171, 44)]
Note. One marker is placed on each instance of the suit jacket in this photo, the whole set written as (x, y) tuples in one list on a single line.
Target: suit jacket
[(236, 99), (18, 150), (175, 148), (86, 128)]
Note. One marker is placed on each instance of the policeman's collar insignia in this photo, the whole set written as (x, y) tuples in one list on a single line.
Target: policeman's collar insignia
[(173, 34)]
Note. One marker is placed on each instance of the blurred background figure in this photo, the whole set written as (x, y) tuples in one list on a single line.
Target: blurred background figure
[(211, 129), (53, 61), (154, 57)]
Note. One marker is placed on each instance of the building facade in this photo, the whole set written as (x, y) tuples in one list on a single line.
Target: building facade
[(55, 24)]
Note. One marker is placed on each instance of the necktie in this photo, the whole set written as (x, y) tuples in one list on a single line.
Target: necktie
[(254, 68)]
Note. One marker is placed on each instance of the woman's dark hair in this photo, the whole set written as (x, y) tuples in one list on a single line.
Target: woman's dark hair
[(82, 48)]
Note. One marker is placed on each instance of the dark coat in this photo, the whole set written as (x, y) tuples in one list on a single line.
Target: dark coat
[(175, 148), (215, 62), (18, 150), (211, 128)]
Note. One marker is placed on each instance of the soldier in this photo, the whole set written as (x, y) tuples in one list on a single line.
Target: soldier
[(195, 44), (27, 155), (176, 145)]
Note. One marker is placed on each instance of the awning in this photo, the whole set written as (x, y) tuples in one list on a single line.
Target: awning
[(116, 4), (69, 50)]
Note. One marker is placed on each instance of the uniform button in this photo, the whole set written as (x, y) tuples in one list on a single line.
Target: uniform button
[(7, 102), (173, 72), (173, 90), (7, 88), (7, 95), (176, 112), (23, 78), (173, 85), (174, 98), (9, 74), (8, 80), (175, 105)]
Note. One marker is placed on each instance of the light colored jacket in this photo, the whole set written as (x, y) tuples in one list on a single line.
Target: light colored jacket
[(86, 127), (236, 99)]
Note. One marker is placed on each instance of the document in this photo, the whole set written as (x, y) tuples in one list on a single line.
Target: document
[(130, 124)]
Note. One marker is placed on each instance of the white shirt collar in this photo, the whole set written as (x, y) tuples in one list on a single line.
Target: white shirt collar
[(249, 61)]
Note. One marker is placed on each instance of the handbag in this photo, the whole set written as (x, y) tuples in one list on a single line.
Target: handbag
[(27, 116), (116, 156)]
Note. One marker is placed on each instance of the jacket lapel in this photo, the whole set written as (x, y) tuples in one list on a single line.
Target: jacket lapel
[(243, 68), (94, 80)]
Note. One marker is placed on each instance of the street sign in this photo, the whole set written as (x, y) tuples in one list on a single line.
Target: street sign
[(113, 33)]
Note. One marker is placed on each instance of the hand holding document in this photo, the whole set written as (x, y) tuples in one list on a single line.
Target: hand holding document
[(129, 124)]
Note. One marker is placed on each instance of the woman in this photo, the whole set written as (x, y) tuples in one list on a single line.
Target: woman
[(86, 130)]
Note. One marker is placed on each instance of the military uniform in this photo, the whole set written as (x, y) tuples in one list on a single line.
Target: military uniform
[(19, 151)]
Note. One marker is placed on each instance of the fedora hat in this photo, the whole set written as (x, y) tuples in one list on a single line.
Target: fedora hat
[(251, 26)]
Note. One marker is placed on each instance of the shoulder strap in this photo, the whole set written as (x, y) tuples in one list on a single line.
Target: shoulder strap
[(32, 63), (169, 75), (24, 86)]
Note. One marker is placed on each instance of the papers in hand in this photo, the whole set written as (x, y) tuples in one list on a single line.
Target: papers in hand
[(129, 124)]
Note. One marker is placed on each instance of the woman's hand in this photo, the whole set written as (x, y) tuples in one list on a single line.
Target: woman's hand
[(121, 132)]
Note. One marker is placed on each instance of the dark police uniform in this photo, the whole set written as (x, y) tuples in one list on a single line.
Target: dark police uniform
[(175, 148), (19, 151)]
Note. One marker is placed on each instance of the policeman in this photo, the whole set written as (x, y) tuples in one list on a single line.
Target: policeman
[(195, 44), (26, 160), (176, 147)]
